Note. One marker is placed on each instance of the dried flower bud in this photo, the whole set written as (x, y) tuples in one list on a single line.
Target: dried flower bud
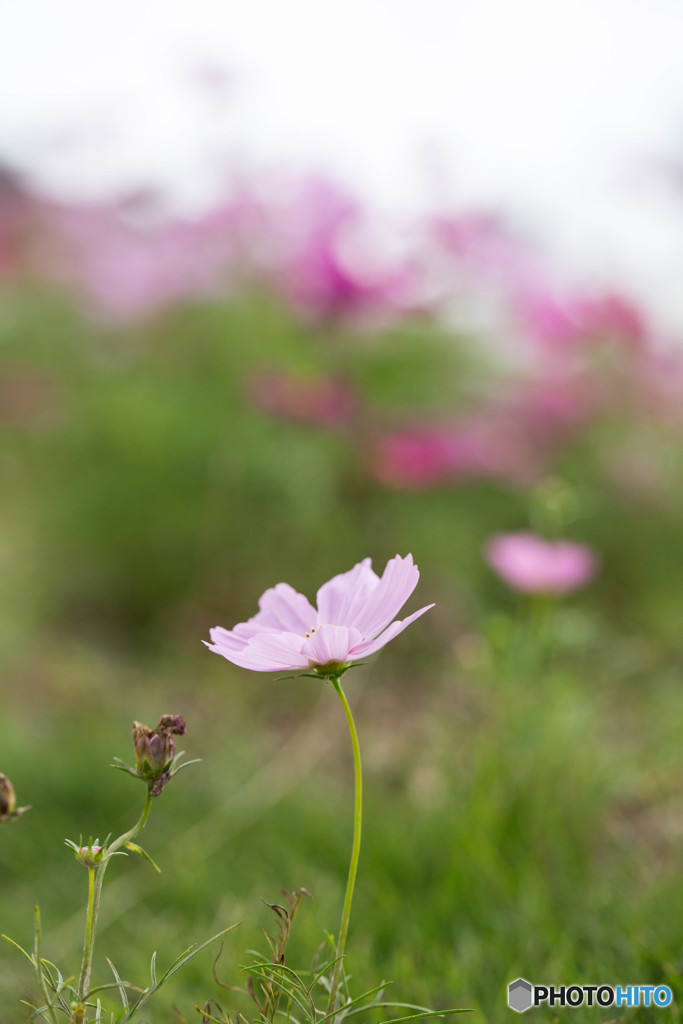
[(8, 801), (155, 750)]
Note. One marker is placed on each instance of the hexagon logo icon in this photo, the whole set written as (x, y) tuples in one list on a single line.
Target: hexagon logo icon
[(520, 995)]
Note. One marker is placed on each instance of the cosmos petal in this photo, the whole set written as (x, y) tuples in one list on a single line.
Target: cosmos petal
[(283, 608), (398, 581), (330, 644), (368, 647), (342, 597), (267, 652)]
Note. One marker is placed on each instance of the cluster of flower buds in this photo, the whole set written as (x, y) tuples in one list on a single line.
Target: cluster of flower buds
[(8, 801), (155, 753)]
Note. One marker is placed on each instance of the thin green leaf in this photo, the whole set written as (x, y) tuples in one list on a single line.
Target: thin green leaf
[(123, 767), (21, 949), (206, 1016), (412, 1016), (109, 985), (120, 984), (143, 853), (186, 764), (153, 969), (179, 962), (298, 987), (40, 1012), (354, 1003), (322, 972)]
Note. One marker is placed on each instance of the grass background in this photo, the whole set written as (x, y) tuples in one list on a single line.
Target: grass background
[(524, 799)]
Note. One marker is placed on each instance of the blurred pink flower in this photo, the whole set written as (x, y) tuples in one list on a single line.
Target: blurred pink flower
[(528, 563), (353, 620), (490, 446), (317, 399), (564, 322), (333, 261), (129, 261), (414, 458), (551, 407)]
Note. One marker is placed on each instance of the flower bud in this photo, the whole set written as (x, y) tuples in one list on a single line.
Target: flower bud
[(155, 750), (8, 801), (89, 856)]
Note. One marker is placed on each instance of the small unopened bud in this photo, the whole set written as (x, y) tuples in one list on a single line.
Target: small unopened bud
[(155, 750), (8, 801), (89, 856)]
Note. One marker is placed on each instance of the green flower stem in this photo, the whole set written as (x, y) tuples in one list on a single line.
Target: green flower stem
[(95, 881), (39, 965), (355, 850), (88, 945)]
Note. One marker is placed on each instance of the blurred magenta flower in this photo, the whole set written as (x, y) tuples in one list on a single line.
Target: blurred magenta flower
[(533, 565), (414, 458), (315, 399), (354, 618), (491, 446), (333, 261)]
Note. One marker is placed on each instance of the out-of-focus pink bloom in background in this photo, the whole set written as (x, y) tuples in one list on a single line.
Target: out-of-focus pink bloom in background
[(333, 261), (561, 324), (128, 262), (568, 354), (481, 245), (413, 459), (480, 447), (533, 565), (312, 399), (550, 407)]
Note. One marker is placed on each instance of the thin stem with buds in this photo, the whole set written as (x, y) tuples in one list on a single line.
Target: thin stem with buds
[(95, 881)]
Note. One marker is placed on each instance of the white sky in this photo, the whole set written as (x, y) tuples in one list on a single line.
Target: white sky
[(550, 108)]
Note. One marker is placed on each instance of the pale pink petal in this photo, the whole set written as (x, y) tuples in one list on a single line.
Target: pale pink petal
[(368, 647), (227, 638), (398, 581), (253, 626), (284, 608), (268, 652), (330, 644), (342, 597)]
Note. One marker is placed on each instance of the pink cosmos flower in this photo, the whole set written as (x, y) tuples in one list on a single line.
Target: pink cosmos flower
[(353, 620), (536, 566)]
